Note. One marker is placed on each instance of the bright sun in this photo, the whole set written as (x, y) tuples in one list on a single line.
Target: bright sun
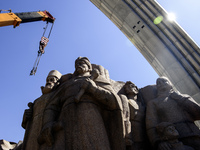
[(171, 17)]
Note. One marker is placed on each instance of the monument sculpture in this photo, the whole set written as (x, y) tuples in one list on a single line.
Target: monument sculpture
[(173, 107), (135, 117), (32, 119), (86, 110), (83, 119)]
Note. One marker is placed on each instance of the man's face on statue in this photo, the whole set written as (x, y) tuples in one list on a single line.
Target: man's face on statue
[(50, 82), (81, 67), (163, 84), (131, 89)]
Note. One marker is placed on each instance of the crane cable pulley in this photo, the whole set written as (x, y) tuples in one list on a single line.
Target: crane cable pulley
[(42, 44)]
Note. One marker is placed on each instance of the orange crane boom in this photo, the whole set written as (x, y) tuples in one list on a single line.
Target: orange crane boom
[(15, 19)]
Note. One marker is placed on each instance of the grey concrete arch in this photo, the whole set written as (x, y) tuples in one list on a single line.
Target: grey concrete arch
[(166, 46)]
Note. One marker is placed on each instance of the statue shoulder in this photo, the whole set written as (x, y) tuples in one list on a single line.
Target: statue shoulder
[(66, 77), (178, 96)]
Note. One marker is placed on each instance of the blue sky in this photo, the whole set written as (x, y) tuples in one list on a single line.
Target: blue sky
[(80, 30)]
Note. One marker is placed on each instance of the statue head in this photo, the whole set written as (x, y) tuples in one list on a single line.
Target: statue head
[(130, 88), (82, 65), (167, 131), (51, 81), (163, 85)]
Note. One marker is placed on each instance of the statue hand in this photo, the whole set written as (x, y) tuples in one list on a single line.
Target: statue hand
[(164, 146), (89, 85)]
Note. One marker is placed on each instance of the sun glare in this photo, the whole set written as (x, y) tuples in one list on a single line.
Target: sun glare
[(158, 20), (171, 17)]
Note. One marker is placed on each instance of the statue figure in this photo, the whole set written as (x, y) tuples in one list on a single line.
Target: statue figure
[(173, 107), (84, 113), (32, 119), (137, 116), (169, 134), (126, 118)]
